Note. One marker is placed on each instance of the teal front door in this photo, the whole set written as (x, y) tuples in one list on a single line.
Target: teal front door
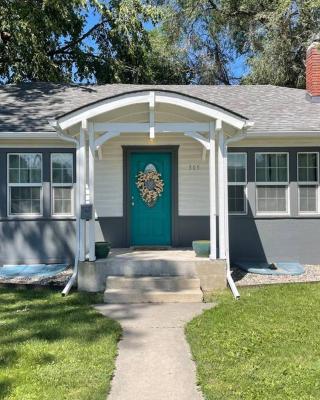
[(150, 198)]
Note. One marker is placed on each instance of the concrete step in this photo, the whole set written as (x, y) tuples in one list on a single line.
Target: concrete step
[(169, 283), (124, 296)]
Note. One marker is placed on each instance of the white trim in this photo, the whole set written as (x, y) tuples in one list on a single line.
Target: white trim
[(287, 213), (196, 136), (104, 138), (221, 196), (266, 183), (82, 193), (31, 185), (29, 135), (245, 184), (212, 188), (91, 172), (62, 185), (308, 183), (144, 127), (106, 105), (152, 116), (310, 213)]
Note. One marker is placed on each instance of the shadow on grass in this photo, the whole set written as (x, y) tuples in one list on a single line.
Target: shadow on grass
[(49, 317)]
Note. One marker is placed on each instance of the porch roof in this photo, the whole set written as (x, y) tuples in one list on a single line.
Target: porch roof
[(28, 107)]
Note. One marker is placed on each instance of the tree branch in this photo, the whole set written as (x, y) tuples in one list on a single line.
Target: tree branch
[(72, 43)]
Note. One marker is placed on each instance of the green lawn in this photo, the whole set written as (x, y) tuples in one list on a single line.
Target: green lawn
[(54, 348), (265, 346)]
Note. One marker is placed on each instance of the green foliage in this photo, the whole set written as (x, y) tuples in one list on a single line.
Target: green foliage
[(50, 40), (54, 347), (264, 346), (271, 36)]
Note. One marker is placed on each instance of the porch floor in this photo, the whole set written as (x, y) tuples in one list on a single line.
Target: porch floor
[(128, 262), (181, 254)]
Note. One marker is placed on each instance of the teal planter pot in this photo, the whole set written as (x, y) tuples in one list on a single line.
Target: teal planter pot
[(201, 248), (102, 249)]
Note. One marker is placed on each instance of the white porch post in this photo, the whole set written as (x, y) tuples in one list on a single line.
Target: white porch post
[(82, 189), (221, 191), (92, 238), (226, 208), (212, 185)]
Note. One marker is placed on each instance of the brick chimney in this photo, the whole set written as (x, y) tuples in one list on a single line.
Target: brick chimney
[(313, 71)]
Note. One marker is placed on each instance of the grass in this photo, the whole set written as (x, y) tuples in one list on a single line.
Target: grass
[(265, 346), (53, 347)]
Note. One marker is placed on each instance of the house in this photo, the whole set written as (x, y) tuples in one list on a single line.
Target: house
[(62, 146)]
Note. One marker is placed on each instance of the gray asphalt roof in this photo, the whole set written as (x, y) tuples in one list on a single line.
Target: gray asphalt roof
[(27, 107)]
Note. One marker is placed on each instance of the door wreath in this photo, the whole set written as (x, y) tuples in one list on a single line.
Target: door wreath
[(150, 185)]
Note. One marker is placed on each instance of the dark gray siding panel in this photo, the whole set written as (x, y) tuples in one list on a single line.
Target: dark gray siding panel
[(111, 229), (275, 239), (37, 241)]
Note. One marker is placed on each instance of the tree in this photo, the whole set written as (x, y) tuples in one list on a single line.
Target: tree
[(52, 40), (270, 35)]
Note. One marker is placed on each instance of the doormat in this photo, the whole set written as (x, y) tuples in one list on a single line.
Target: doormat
[(277, 268), (31, 271)]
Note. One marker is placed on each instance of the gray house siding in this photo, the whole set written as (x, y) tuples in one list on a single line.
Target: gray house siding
[(37, 239), (252, 237)]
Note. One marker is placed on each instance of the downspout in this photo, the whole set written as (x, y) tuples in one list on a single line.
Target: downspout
[(68, 138), (230, 280)]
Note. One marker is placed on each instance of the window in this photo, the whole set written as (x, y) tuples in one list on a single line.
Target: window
[(308, 178), (62, 183), (25, 184), (237, 183), (272, 179)]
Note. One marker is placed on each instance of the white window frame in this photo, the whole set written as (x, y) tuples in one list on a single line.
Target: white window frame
[(313, 183), (245, 184), (285, 183), (9, 185), (62, 185)]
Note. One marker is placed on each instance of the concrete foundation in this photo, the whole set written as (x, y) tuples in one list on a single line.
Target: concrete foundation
[(156, 263)]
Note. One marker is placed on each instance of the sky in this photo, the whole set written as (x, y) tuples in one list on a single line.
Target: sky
[(238, 68)]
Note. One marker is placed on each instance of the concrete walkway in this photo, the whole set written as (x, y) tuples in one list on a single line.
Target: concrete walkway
[(154, 361)]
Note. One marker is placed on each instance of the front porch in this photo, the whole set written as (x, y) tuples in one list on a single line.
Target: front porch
[(170, 271), (181, 143)]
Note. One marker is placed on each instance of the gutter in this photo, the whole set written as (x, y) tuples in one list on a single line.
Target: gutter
[(69, 138)]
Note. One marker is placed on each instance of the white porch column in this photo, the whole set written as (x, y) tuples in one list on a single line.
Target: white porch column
[(82, 190), (92, 234), (212, 185), (226, 208), (221, 191)]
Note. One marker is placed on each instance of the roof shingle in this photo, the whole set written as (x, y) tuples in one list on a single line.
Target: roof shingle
[(27, 107)]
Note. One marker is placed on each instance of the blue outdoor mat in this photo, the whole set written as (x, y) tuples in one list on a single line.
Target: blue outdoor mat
[(29, 271), (279, 268)]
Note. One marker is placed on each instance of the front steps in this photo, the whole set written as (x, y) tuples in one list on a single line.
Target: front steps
[(152, 289)]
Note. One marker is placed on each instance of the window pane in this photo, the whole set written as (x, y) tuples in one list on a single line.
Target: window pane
[(67, 175), (62, 168), (236, 199), (308, 167), (25, 168), (237, 164), (271, 199), (14, 176), (271, 167), (62, 203), (308, 199), (13, 161), (25, 200)]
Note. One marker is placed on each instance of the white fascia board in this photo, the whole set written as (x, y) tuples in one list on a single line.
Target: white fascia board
[(280, 134), (101, 107), (144, 127), (28, 135), (92, 110), (207, 110)]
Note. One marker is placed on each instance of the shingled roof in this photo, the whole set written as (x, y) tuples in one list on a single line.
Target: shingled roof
[(27, 107)]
